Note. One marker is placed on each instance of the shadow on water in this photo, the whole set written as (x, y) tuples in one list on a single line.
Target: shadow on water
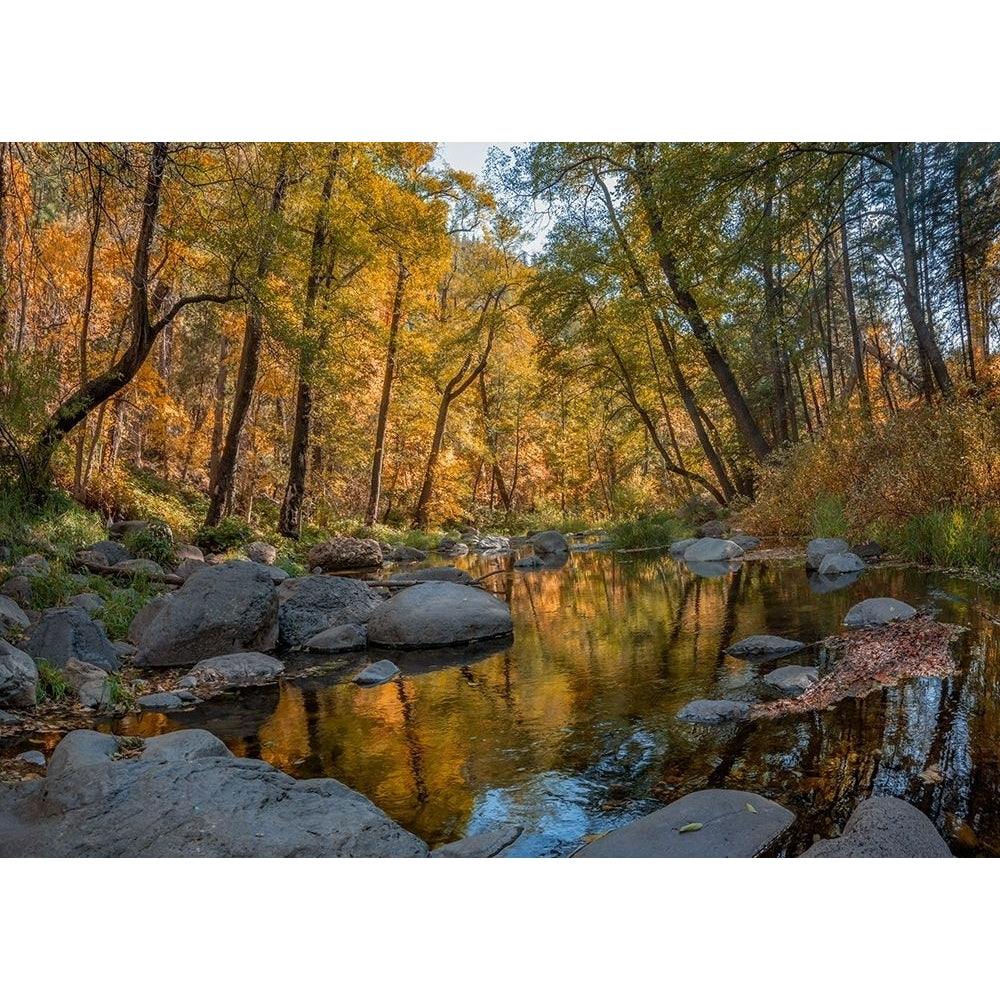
[(569, 729)]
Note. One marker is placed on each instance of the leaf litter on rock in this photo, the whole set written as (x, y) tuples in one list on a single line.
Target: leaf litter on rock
[(873, 658)]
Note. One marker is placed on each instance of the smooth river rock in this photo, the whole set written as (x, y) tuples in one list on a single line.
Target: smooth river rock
[(185, 795), (818, 548), (377, 673), (734, 824), (712, 550), (840, 562), (884, 827), (438, 614), (793, 679), (236, 670), (878, 611)]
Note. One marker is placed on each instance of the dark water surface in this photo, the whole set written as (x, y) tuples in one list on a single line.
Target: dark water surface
[(570, 731)]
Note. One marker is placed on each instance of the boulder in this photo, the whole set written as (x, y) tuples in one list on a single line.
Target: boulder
[(34, 757), (18, 589), (227, 608), (869, 551), (89, 682), (309, 605), (91, 603), (451, 549), (113, 552), (716, 823), (840, 562), (878, 611), (544, 542), (710, 713), (62, 634), (18, 677), (492, 543), (12, 617), (141, 567), (184, 794), (182, 552), (33, 565), (678, 548), (377, 673), (713, 550), (820, 547), (745, 542), (884, 827), (450, 574), (764, 647), (160, 701), (261, 552), (339, 639), (792, 680), (188, 567), (237, 670), (438, 614), (338, 554)]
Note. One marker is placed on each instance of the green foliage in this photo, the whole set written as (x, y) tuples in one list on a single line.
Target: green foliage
[(52, 684), (57, 528), (829, 519), (228, 534), (152, 542), (950, 537), (650, 532), (121, 606), (49, 590)]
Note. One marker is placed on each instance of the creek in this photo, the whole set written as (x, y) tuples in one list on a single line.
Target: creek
[(570, 730)]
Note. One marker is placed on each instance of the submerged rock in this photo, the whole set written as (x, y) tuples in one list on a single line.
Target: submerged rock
[(236, 670), (878, 611), (481, 845), (820, 584), (716, 823), (185, 795), (764, 647), (884, 828), (710, 712)]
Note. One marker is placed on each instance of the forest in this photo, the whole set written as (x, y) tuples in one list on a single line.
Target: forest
[(353, 337)]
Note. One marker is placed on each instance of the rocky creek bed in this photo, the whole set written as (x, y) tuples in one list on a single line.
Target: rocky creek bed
[(546, 717)]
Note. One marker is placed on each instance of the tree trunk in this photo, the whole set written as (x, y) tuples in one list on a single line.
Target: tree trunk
[(688, 305), (388, 376), (911, 284), (852, 315), (290, 515), (221, 497)]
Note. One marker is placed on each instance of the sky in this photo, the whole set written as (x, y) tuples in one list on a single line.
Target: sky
[(469, 156)]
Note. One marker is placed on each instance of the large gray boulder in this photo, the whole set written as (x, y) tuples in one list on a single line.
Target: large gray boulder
[(337, 554), (481, 845), (544, 542), (62, 634), (185, 795), (18, 677), (113, 552), (405, 554), (713, 550), (714, 823), (308, 605), (680, 547), (228, 608), (438, 614), (764, 647), (820, 547), (878, 611), (884, 828)]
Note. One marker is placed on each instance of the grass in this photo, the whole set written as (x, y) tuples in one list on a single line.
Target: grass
[(950, 537), (52, 685), (829, 519), (651, 532)]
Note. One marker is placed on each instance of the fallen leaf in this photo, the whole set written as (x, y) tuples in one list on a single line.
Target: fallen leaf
[(750, 808), (690, 827), (589, 838), (932, 776)]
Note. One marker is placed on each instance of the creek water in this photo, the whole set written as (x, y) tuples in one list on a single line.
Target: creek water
[(570, 730)]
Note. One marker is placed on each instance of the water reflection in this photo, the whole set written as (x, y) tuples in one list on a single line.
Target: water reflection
[(570, 730)]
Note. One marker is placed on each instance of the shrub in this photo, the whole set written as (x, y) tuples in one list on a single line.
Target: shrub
[(154, 542), (230, 533)]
